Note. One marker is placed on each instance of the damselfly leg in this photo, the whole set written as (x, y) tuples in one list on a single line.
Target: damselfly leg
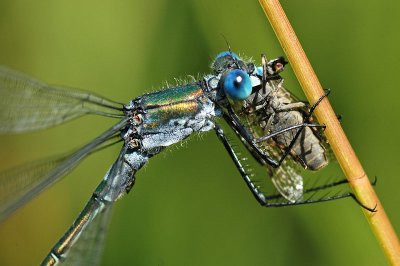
[(252, 144), (265, 200)]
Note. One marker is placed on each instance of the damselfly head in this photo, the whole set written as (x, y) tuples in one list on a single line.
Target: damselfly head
[(236, 78)]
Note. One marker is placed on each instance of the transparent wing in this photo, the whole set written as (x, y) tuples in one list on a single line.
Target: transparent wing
[(82, 244), (19, 185), (27, 104), (288, 182), (287, 178), (89, 247)]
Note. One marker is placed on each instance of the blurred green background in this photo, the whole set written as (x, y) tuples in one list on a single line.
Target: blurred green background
[(189, 205)]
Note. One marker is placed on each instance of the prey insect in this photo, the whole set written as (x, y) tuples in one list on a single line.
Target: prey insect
[(268, 113), (282, 126), (148, 124)]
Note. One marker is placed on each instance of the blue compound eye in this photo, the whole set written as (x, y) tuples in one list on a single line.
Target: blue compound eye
[(237, 84), (259, 71), (225, 53)]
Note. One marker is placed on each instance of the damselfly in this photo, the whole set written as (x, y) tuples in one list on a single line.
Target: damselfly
[(147, 125)]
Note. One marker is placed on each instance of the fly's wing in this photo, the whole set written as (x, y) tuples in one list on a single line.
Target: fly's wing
[(287, 178), (21, 184), (288, 182), (27, 104)]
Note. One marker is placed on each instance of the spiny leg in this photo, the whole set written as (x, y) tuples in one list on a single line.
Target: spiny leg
[(260, 197), (314, 188), (248, 139), (334, 184), (263, 199), (251, 143)]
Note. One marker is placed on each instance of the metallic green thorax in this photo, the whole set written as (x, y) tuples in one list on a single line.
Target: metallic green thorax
[(172, 104), (171, 95)]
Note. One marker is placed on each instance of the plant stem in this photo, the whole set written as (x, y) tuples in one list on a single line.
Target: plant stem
[(339, 143)]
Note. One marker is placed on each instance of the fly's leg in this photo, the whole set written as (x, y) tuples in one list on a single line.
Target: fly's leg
[(291, 106), (276, 133), (306, 118)]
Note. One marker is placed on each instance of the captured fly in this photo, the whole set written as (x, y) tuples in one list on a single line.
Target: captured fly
[(268, 113), (270, 124)]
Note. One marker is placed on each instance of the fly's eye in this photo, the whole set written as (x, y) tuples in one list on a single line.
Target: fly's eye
[(237, 84), (279, 67)]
